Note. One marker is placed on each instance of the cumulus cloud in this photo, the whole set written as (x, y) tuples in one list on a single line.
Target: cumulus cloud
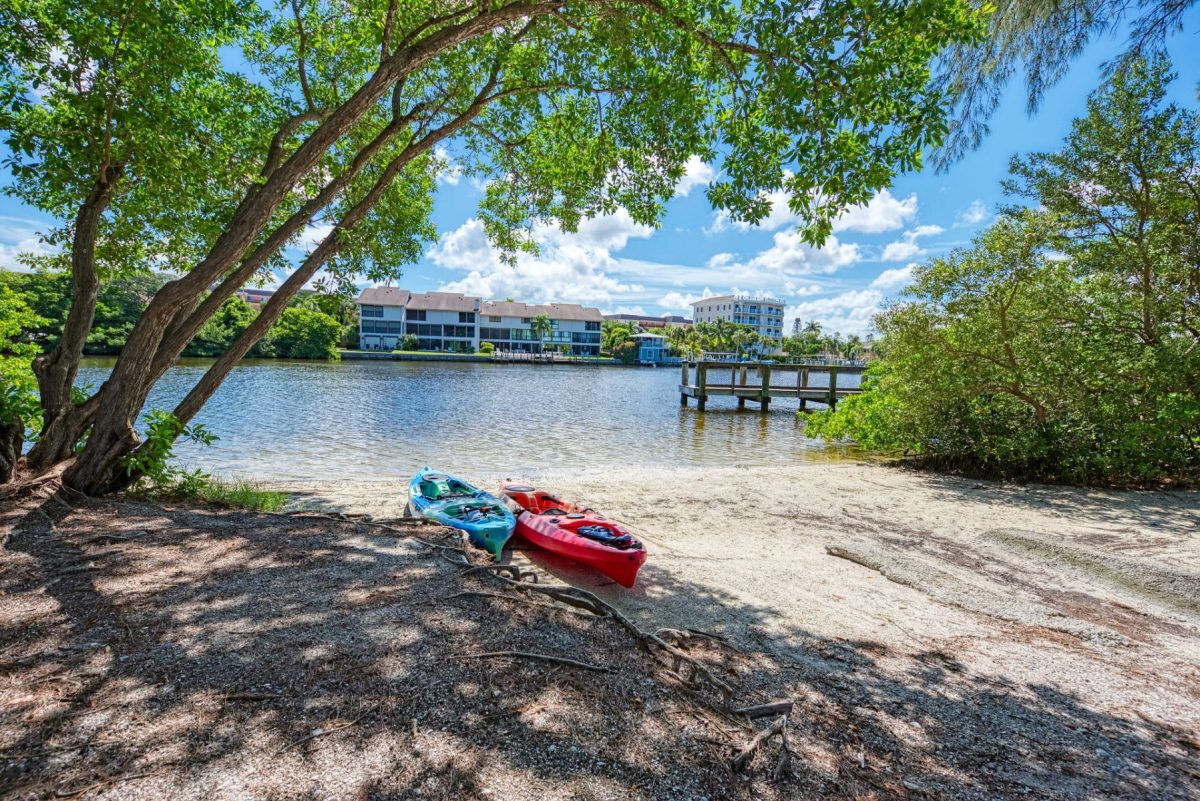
[(800, 290), (972, 215), (848, 313), (448, 171), (883, 213), (907, 247), (312, 235), (678, 301), (570, 267), (20, 236), (894, 278), (695, 173), (790, 255)]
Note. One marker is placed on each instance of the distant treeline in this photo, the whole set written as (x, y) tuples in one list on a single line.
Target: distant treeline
[(312, 328)]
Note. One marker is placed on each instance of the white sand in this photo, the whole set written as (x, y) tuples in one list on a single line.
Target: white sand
[(1093, 593)]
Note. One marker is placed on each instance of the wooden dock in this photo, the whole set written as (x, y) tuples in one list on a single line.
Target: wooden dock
[(759, 382)]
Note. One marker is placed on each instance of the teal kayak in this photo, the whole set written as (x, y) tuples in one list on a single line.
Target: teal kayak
[(453, 502)]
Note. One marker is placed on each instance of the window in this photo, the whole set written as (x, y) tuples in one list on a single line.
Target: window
[(371, 311), (527, 320), (423, 330), (466, 317), (459, 331), (493, 333), (381, 326), (416, 314), (591, 326), (492, 318)]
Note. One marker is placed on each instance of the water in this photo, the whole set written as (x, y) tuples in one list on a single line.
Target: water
[(312, 421)]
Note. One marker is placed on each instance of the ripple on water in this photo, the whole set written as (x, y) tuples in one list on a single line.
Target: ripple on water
[(291, 420)]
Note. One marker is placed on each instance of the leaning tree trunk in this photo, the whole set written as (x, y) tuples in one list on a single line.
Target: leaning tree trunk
[(113, 435), (62, 423)]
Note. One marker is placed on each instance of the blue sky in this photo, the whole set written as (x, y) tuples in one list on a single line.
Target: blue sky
[(618, 265)]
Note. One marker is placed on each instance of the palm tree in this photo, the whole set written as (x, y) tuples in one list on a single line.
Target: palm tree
[(676, 335), (722, 334), (541, 327), (852, 347), (812, 327)]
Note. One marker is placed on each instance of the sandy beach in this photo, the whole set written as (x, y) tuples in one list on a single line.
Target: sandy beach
[(1094, 594), (928, 637)]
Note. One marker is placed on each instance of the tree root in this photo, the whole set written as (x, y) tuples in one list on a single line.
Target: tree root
[(561, 660), (743, 757), (698, 672)]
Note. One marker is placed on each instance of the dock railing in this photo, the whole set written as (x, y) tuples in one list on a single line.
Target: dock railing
[(696, 382)]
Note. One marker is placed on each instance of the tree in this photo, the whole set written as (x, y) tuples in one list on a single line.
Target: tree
[(219, 332), (1039, 40), (613, 333), (305, 334), (541, 327), (410, 342), (1064, 343), (566, 111)]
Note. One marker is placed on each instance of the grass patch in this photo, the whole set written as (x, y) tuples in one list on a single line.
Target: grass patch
[(241, 494)]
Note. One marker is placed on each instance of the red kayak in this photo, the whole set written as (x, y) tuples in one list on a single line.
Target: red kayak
[(576, 533)]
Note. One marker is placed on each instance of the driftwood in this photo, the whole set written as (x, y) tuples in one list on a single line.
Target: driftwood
[(539, 657)]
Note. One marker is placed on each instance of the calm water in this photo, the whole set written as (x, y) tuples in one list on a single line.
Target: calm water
[(280, 420)]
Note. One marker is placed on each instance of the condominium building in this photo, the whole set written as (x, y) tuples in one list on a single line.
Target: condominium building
[(764, 315), (448, 321), (645, 321)]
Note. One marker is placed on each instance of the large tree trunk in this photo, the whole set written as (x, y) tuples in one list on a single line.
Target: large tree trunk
[(56, 370), (113, 434), (12, 438)]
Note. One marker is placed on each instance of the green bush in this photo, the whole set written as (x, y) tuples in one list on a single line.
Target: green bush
[(305, 334), (487, 348), (409, 342)]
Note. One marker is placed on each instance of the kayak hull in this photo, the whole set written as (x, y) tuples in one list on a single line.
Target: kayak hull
[(553, 524), (487, 520)]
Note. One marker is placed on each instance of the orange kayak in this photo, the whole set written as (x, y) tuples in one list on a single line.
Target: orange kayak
[(577, 533)]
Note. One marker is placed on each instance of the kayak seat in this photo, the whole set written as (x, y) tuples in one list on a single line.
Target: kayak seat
[(553, 511)]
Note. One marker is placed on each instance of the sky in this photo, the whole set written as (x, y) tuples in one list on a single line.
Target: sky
[(621, 266)]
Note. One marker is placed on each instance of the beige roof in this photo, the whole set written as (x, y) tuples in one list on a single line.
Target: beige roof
[(443, 301), (555, 311), (384, 296)]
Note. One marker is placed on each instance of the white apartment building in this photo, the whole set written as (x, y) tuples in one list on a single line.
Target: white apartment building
[(764, 315), (448, 321)]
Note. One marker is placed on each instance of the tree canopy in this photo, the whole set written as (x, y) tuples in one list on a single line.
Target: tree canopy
[(1065, 342), (132, 125)]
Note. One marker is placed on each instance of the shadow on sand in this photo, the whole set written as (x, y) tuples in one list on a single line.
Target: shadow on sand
[(192, 653)]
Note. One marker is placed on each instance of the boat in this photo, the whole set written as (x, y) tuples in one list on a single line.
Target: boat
[(453, 502), (577, 533)]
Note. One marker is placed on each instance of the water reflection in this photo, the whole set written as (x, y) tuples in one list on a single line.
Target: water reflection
[(311, 421)]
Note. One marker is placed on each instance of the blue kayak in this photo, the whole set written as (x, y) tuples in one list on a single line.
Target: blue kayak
[(453, 502)]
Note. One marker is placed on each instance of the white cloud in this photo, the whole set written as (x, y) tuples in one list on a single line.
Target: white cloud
[(20, 236), (907, 247), (677, 301), (448, 171), (972, 215), (894, 278), (570, 267), (800, 290), (312, 235), (718, 260), (882, 213), (695, 173), (791, 255), (848, 313)]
